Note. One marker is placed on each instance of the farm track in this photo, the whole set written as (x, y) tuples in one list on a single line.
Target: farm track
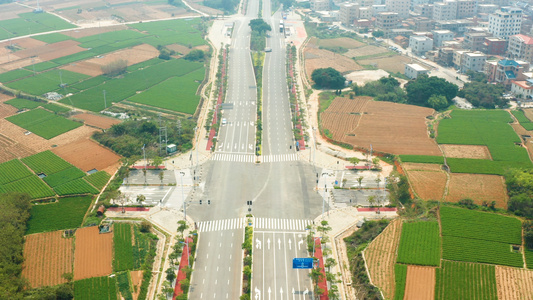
[(381, 258)]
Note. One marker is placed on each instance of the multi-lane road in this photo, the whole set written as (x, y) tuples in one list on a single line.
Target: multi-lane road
[(281, 188)]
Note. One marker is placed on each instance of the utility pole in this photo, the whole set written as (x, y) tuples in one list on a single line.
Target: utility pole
[(182, 198), (145, 163), (105, 100)]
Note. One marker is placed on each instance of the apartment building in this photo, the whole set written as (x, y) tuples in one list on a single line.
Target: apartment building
[(421, 24), (474, 40), (494, 46), (319, 5), (458, 57), (440, 36), (522, 89), (387, 21), (466, 9), (420, 44), (473, 62), (377, 9), (487, 9), (445, 56), (365, 3), (505, 22), (414, 70), (457, 26), (505, 71), (423, 10), (446, 10), (398, 6), (520, 47)]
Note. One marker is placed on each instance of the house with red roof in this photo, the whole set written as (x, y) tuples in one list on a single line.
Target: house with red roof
[(520, 47)]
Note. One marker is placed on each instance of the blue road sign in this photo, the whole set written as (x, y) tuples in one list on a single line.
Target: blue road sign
[(302, 263)]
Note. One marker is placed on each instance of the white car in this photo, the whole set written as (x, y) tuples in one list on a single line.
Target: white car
[(224, 121)]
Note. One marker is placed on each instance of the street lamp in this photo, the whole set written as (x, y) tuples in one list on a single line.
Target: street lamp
[(182, 198)]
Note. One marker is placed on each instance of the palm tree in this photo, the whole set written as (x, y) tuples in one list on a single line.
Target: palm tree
[(182, 226), (360, 180), (141, 198)]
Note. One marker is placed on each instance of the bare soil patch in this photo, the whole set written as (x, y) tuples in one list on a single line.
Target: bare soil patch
[(420, 283), (529, 113), (390, 64), (6, 110), (337, 42), (529, 142), (93, 66), (365, 50), (87, 155), (338, 121), (136, 280), (51, 51), (363, 76), (421, 167), (513, 283), (466, 151), (47, 256), (428, 184), (26, 43), (388, 127), (381, 257), (11, 10), (17, 63), (97, 121), (93, 254), (320, 58), (477, 187)]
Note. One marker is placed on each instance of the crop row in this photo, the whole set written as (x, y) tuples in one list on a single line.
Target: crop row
[(123, 247), (66, 213), (32, 185), (420, 244), (96, 288), (400, 278), (14, 75), (522, 119), (24, 103), (123, 283), (13, 170), (98, 179), (456, 280), (64, 176), (46, 162), (470, 250), (480, 225), (30, 23), (425, 159), (75, 187), (43, 123), (47, 81)]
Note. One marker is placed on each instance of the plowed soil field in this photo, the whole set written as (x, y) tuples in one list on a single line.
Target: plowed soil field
[(51, 51), (427, 180), (136, 280), (337, 42), (420, 283), (337, 121), (47, 256), (87, 155), (388, 127), (466, 151), (478, 188), (381, 257), (11, 10), (513, 283), (365, 50), (93, 254), (97, 121), (93, 66), (319, 58), (6, 110), (390, 64)]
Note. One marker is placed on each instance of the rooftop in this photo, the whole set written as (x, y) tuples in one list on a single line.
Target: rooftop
[(507, 62), (523, 84), (416, 67), (527, 39)]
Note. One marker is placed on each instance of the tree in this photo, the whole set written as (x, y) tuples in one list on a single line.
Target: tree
[(354, 160), (375, 161), (182, 226), (171, 275), (157, 161), (330, 262), (127, 174), (167, 289), (145, 226), (437, 102), (161, 176), (360, 180), (195, 55), (140, 199), (324, 228), (259, 25), (378, 33), (144, 172), (476, 76), (483, 94), (371, 200), (328, 78), (185, 283), (423, 87), (115, 68)]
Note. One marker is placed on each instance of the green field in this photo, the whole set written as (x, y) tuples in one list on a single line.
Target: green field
[(182, 32), (43, 123), (123, 283), (13, 170), (177, 93), (474, 224), (481, 251), (400, 277), (46, 162), (75, 187), (123, 247), (30, 23), (42, 66), (65, 214), (529, 258), (420, 244), (24, 103), (480, 127), (119, 89), (98, 179), (52, 38), (424, 159), (56, 108), (96, 288), (89, 83), (457, 280), (46, 82), (32, 185), (64, 176), (475, 236), (522, 119), (14, 75)]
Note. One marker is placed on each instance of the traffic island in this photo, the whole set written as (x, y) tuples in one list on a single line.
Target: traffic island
[(319, 274), (181, 290), (247, 246)]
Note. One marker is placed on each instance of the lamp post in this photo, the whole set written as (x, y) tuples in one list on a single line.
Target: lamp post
[(182, 198)]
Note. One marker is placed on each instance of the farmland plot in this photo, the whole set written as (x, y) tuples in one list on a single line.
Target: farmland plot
[(456, 280), (98, 288), (66, 213), (75, 187), (24, 103), (182, 32), (522, 119), (93, 254), (420, 283), (47, 256), (43, 123), (28, 23), (13, 170), (514, 283), (420, 244), (400, 272), (32, 185), (63, 176), (46, 82), (381, 256), (87, 155), (98, 179), (428, 180), (122, 240), (46, 162), (478, 187)]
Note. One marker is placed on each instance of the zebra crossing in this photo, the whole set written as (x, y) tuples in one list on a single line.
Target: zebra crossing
[(259, 224), (280, 157), (221, 225), (234, 157), (281, 224)]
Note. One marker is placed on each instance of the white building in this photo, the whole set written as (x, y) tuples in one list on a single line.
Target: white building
[(399, 6), (376, 9), (473, 62), (420, 44), (413, 70), (505, 22), (445, 10), (441, 36), (522, 88), (319, 5)]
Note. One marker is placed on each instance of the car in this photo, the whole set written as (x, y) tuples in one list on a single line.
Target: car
[(268, 49), (224, 121)]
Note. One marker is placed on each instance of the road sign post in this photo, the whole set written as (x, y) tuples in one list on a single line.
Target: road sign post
[(302, 263)]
